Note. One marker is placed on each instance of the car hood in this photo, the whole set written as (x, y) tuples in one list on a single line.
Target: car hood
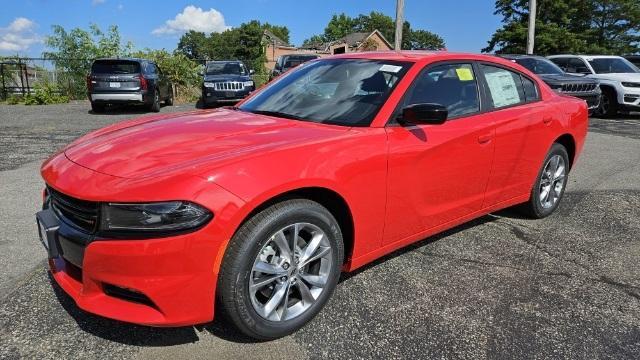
[(159, 145), (226, 77), (635, 77)]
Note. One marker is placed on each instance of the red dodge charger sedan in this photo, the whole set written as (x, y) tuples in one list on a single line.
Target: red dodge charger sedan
[(255, 210)]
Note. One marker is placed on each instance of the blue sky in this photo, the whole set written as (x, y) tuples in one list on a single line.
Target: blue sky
[(466, 25)]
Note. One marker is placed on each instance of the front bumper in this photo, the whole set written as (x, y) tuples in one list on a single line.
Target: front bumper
[(211, 96), (629, 98), (592, 99), (157, 282), (172, 279)]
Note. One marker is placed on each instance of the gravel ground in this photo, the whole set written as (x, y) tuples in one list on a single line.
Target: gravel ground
[(499, 287)]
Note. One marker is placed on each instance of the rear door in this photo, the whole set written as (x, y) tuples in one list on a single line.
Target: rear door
[(109, 76), (521, 120)]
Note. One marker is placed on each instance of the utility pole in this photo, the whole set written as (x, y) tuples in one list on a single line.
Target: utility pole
[(399, 24), (532, 27)]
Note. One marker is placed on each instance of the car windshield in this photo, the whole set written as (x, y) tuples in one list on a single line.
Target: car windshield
[(221, 68), (540, 66), (346, 92), (293, 61), (612, 65), (115, 67)]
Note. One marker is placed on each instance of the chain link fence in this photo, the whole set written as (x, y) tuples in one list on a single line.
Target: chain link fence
[(22, 76)]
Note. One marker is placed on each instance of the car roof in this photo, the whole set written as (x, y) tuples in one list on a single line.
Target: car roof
[(224, 61), (586, 56), (124, 59), (421, 55), (520, 56)]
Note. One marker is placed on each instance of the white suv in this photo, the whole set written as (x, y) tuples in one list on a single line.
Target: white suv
[(619, 79)]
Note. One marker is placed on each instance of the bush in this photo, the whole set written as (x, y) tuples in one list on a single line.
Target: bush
[(14, 100), (45, 94)]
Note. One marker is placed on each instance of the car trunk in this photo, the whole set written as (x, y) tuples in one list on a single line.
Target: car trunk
[(115, 76)]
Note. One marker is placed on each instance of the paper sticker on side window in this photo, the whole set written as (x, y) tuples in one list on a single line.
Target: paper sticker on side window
[(390, 68), (464, 74)]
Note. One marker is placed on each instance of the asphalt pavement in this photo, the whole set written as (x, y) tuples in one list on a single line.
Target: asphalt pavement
[(502, 286)]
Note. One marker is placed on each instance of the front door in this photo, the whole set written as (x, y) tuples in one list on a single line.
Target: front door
[(438, 173)]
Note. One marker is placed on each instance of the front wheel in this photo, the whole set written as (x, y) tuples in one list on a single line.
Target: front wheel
[(550, 185), (280, 269), (608, 103)]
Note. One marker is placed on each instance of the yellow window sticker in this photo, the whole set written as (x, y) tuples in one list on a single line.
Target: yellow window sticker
[(464, 74)]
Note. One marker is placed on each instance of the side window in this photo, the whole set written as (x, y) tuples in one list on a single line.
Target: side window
[(451, 85), (531, 92), (577, 66), (505, 87), (561, 62), (151, 69)]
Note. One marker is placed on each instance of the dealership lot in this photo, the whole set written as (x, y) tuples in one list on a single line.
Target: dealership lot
[(501, 286)]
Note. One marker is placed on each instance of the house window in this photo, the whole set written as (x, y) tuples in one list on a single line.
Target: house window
[(340, 50)]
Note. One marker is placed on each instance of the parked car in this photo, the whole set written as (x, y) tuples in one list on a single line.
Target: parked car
[(586, 89), (127, 81), (634, 59), (619, 79), (226, 82), (286, 62), (255, 210)]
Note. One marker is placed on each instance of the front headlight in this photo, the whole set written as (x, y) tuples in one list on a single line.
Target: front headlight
[(208, 84), (171, 216), (248, 83), (631, 85)]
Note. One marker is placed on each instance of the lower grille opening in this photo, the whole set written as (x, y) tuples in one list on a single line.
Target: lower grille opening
[(127, 295), (73, 271)]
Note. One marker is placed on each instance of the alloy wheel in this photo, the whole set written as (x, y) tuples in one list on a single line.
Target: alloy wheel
[(290, 272), (552, 181)]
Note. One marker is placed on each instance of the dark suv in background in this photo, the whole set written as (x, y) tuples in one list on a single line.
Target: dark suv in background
[(127, 81), (583, 88), (634, 59), (286, 62), (226, 82)]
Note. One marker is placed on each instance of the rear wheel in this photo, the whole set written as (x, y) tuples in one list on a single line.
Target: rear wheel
[(280, 269), (608, 103), (550, 185), (155, 105), (97, 108)]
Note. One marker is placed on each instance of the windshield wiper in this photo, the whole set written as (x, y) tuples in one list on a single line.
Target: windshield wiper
[(276, 114)]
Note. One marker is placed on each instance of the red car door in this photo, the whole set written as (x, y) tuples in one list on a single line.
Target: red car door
[(438, 173), (520, 141)]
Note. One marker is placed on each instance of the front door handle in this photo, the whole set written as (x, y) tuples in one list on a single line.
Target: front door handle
[(547, 120), (483, 139)]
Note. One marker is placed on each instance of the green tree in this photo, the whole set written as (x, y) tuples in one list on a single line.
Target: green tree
[(193, 44), (569, 26), (341, 24), (73, 52), (425, 40)]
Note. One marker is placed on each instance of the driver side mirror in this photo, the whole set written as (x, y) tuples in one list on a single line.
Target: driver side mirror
[(425, 113)]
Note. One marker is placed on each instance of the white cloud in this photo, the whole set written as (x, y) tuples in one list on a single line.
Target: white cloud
[(18, 36), (97, 2), (193, 18)]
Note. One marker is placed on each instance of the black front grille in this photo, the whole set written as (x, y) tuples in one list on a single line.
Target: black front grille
[(78, 213), (580, 87)]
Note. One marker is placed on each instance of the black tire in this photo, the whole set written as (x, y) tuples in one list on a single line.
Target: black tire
[(169, 100), (155, 105), (233, 294), (534, 207), (608, 103), (97, 108)]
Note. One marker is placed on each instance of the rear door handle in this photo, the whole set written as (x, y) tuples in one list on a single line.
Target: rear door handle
[(483, 139)]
